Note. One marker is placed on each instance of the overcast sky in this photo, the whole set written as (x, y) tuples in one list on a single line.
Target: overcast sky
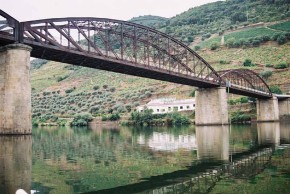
[(24, 10)]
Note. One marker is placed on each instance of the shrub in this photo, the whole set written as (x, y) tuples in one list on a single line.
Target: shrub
[(266, 74), (104, 118), (222, 62), (244, 100), (96, 87), (196, 47), (230, 42), (269, 65), (256, 43), (275, 89), (69, 90), (105, 86), (121, 109), (240, 117), (192, 94), (265, 38), (94, 109), (190, 39), (34, 122), (281, 65), (148, 94), (128, 107), (275, 37), (81, 119), (114, 117), (46, 93), (248, 63), (59, 79), (214, 45), (113, 89), (179, 119), (207, 35), (281, 39)]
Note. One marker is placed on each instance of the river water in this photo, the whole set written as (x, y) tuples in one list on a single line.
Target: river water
[(229, 159)]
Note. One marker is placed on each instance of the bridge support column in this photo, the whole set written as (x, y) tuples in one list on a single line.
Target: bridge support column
[(284, 107), (15, 89), (267, 110), (211, 106)]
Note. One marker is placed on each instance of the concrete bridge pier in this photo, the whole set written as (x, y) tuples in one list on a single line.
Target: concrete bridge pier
[(15, 89), (211, 106), (284, 107), (267, 110)]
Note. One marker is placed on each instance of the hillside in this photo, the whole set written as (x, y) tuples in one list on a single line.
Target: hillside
[(221, 16), (62, 90)]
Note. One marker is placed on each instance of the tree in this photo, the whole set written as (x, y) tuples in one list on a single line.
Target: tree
[(275, 89), (248, 63), (214, 45), (190, 39), (230, 42), (281, 39), (266, 74), (239, 17)]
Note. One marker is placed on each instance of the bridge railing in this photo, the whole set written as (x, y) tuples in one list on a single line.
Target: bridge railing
[(9, 27)]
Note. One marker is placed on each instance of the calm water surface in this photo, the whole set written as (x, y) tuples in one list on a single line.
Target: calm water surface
[(230, 159)]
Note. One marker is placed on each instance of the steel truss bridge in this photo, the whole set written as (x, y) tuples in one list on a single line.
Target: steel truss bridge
[(127, 48)]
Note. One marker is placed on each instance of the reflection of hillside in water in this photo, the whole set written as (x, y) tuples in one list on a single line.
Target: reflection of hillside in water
[(168, 142), (128, 160)]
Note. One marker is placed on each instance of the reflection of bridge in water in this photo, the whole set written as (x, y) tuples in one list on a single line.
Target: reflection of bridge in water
[(215, 160)]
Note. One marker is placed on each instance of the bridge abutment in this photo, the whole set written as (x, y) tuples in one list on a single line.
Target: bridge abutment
[(15, 89), (284, 107), (211, 106), (267, 110)]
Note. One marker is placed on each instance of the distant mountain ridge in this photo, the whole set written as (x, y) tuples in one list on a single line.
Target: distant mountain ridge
[(149, 20)]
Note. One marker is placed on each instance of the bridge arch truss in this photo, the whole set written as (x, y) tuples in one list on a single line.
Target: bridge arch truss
[(245, 82), (113, 43)]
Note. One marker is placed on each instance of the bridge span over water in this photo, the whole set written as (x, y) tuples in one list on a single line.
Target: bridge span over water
[(123, 47)]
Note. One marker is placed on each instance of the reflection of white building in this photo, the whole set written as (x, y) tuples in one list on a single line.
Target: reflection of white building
[(166, 105), (169, 142)]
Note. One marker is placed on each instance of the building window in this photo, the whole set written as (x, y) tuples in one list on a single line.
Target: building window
[(162, 110), (141, 111), (157, 110), (169, 108), (187, 107), (175, 108), (181, 107), (194, 105)]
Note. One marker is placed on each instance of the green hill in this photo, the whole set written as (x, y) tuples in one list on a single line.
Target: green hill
[(149, 20), (217, 17)]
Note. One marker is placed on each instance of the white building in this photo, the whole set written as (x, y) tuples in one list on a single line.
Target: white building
[(167, 105), (168, 142)]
